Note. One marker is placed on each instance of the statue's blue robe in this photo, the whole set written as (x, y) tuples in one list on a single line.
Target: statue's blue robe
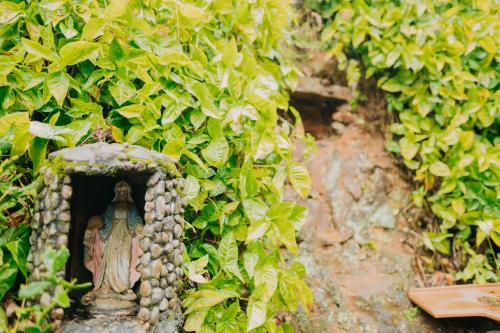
[(133, 219)]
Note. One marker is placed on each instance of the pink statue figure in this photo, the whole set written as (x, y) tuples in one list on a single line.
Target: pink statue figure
[(111, 253)]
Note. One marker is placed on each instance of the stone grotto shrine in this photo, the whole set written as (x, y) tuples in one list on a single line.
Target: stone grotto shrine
[(117, 209)]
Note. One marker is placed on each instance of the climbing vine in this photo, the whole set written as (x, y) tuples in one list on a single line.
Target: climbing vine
[(438, 63), (200, 81)]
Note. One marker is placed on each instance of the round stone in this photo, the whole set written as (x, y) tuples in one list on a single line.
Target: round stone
[(178, 231), (160, 207), (149, 217), (168, 197), (172, 304), (149, 206), (62, 241), (47, 217), (169, 292), (155, 282), (156, 250), (52, 230), (155, 315), (169, 185), (67, 192), (164, 238), (168, 249), (156, 268), (163, 283), (140, 166), (157, 295), (154, 179), (163, 305), (65, 216), (65, 205), (150, 194), (54, 184), (171, 278), (152, 167), (146, 272), (54, 200), (164, 270), (145, 289), (157, 238), (148, 230), (170, 267), (160, 188), (169, 208), (179, 271), (145, 243), (35, 223), (178, 206), (176, 243), (168, 223), (177, 259), (178, 218), (143, 314), (67, 180), (63, 227), (146, 259), (145, 301), (157, 225)]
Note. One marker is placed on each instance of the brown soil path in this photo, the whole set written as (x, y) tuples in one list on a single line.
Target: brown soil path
[(357, 244)]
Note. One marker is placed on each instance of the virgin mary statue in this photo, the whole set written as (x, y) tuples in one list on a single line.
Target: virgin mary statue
[(111, 252)]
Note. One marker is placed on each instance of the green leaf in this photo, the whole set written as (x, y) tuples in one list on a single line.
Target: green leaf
[(33, 289), (256, 314), (93, 29), (207, 298), (440, 169), (47, 131), (11, 11), (256, 230), (255, 209), (76, 52), (195, 320), (38, 50), (61, 297), (299, 177), (408, 149), (55, 260), (19, 122), (132, 111), (228, 255), (122, 91), (206, 100), (216, 152), (58, 84), (191, 187), (7, 279)]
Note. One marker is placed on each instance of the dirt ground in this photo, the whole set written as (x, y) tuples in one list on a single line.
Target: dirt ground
[(359, 242)]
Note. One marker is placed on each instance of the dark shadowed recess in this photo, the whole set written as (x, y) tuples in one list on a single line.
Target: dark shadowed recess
[(91, 196)]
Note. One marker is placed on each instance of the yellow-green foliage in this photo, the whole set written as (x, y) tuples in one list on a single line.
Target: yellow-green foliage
[(201, 81), (439, 63)]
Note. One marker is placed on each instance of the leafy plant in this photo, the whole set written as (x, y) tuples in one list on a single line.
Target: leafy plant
[(200, 81), (438, 63), (53, 293)]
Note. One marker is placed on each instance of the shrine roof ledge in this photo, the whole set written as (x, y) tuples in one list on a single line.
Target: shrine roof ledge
[(111, 154)]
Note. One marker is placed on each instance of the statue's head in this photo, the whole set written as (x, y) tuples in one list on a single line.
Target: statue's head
[(123, 192)]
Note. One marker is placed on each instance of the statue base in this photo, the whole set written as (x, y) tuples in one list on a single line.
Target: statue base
[(113, 306)]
